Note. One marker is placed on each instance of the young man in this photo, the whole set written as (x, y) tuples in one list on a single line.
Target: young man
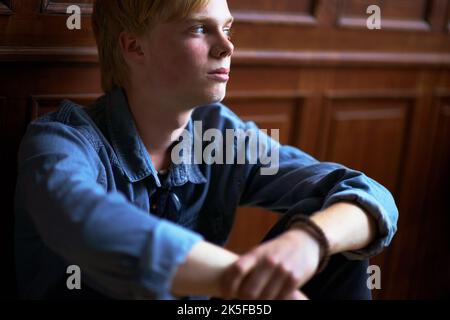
[(91, 190)]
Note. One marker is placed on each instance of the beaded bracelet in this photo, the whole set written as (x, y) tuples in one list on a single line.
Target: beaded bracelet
[(308, 225)]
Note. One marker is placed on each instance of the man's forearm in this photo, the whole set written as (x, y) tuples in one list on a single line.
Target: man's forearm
[(346, 226), (200, 273)]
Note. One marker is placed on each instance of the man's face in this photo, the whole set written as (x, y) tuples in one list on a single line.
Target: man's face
[(189, 61)]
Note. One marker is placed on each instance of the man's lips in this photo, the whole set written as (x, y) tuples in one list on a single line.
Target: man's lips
[(221, 74), (220, 71)]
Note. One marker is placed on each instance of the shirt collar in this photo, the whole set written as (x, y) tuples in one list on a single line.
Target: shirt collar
[(133, 157)]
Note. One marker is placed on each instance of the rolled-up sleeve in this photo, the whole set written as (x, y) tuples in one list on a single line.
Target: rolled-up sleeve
[(124, 251), (302, 184)]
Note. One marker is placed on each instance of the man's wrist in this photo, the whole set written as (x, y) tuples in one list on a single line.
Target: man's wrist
[(308, 226)]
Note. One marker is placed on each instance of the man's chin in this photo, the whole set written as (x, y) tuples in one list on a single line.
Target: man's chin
[(215, 96), (208, 97)]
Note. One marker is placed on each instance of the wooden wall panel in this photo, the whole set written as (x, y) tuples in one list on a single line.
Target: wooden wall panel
[(40, 24), (268, 113), (49, 79), (252, 222), (436, 15), (448, 18), (436, 270), (402, 15), (40, 105), (60, 7), (307, 67), (422, 270), (271, 11), (3, 119), (281, 6), (367, 133), (3, 124), (272, 81), (398, 9), (11, 130), (399, 14), (6, 7)]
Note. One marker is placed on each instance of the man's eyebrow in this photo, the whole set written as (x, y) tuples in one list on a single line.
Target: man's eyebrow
[(207, 19)]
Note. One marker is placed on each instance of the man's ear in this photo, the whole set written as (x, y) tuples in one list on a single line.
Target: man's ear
[(131, 48)]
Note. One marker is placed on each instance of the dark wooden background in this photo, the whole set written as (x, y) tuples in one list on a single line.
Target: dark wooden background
[(374, 100)]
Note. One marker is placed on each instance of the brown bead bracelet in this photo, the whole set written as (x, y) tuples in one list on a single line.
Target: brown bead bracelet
[(305, 223)]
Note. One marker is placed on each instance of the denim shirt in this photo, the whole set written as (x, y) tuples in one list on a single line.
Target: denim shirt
[(83, 189)]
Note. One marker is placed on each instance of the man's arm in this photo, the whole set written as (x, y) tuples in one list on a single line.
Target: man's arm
[(125, 252), (202, 270), (304, 185), (276, 269), (357, 215), (347, 227)]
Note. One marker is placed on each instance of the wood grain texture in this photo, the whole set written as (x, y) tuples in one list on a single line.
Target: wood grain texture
[(375, 100), (6, 7), (60, 7)]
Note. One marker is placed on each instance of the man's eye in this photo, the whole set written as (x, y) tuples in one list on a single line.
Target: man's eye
[(199, 29), (228, 32)]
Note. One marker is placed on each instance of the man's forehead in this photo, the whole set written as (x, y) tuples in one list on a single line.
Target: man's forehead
[(211, 18)]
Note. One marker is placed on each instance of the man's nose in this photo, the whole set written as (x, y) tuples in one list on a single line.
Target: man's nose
[(223, 48)]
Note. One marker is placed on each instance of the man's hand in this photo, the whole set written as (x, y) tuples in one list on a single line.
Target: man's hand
[(274, 270)]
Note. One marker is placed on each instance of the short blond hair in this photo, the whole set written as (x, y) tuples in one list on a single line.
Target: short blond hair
[(111, 17)]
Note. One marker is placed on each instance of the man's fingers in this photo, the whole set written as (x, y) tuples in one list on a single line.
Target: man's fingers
[(275, 285), (257, 279), (235, 274), (298, 295), (290, 285)]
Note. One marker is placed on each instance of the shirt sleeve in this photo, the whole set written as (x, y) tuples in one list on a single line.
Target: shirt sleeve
[(288, 180), (124, 252)]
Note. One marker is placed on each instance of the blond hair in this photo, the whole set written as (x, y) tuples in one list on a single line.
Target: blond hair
[(111, 17)]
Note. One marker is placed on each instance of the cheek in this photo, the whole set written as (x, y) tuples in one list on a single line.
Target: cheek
[(196, 48), (192, 56), (177, 65)]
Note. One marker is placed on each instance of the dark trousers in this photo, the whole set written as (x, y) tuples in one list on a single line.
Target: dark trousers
[(342, 279)]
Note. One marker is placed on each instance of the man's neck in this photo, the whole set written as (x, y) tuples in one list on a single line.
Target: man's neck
[(158, 124)]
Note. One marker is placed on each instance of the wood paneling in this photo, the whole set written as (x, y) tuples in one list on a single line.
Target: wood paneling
[(280, 6), (374, 100), (60, 7), (448, 17), (6, 7), (436, 15), (436, 269), (11, 131), (268, 111), (400, 14), (252, 222), (270, 11), (398, 9), (3, 124), (367, 132), (40, 105), (246, 57), (2, 112)]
